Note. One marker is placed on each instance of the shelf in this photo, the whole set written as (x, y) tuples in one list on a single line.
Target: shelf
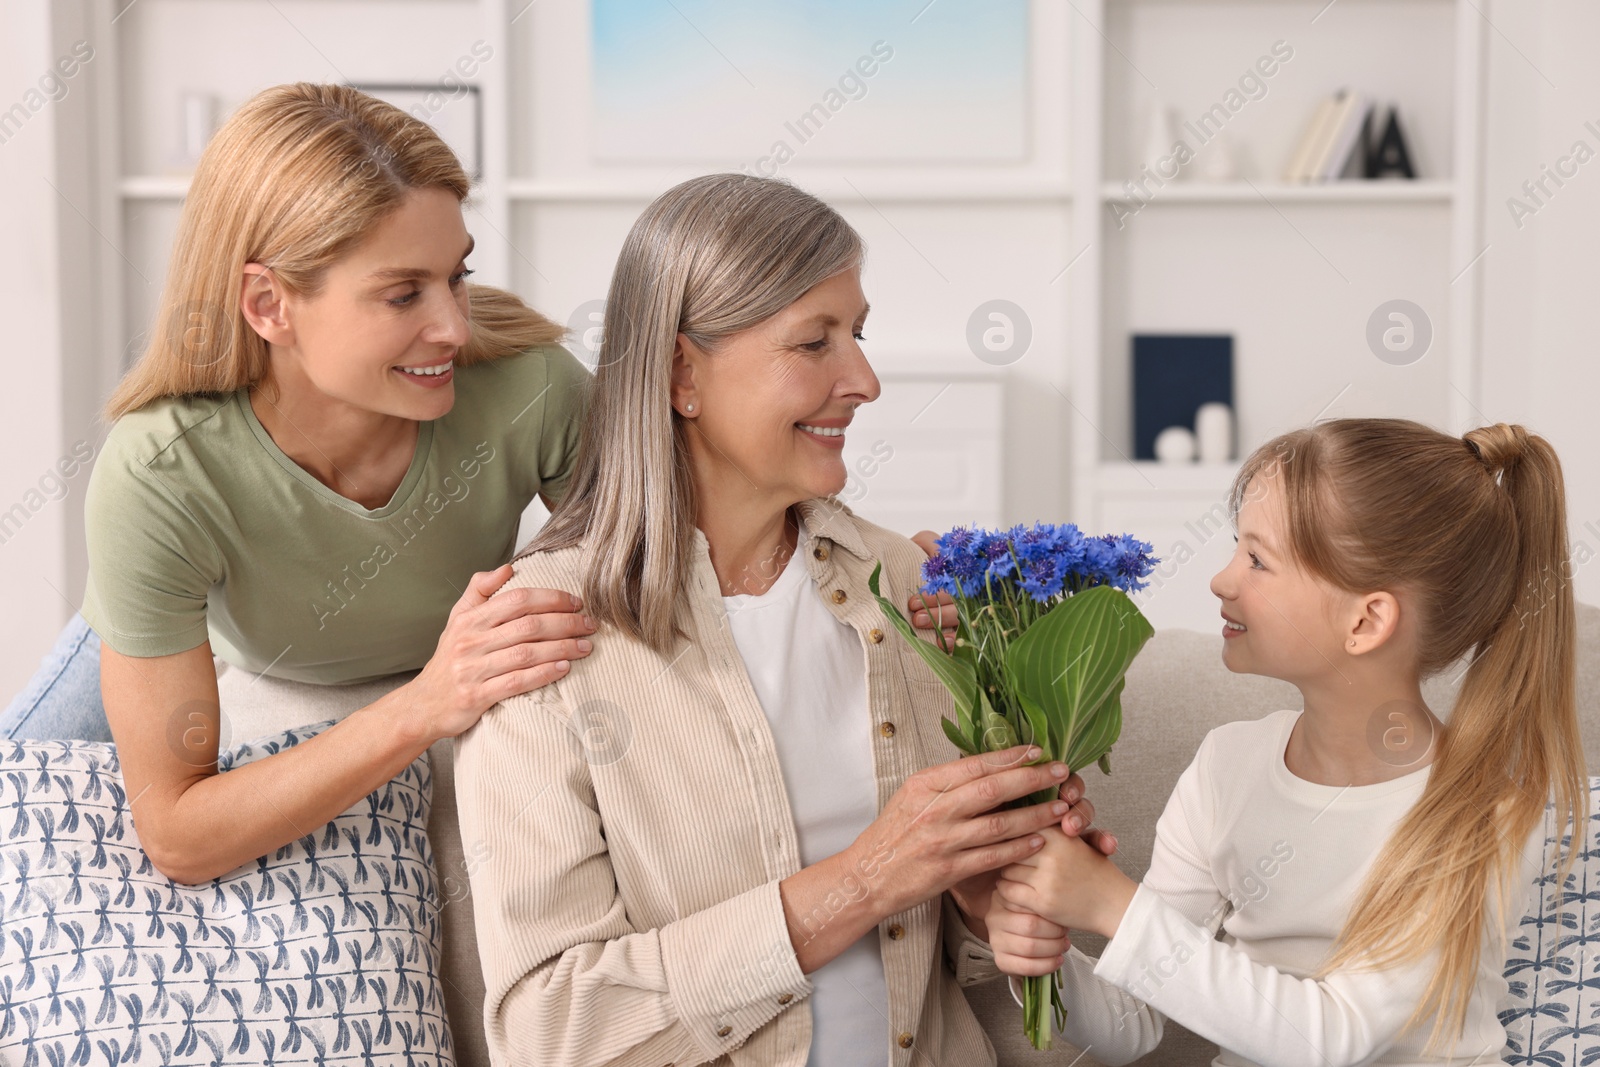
[(1150, 478), (1313, 5), (153, 187), (857, 189), (929, 187), (1341, 192)]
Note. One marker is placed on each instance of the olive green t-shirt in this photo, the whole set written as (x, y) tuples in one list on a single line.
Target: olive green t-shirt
[(199, 526)]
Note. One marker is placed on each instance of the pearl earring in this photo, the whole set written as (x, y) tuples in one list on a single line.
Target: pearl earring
[(688, 407)]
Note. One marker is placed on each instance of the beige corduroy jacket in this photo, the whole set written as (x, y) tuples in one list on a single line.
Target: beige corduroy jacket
[(630, 827)]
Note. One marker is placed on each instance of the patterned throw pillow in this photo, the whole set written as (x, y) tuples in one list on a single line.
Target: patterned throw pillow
[(1553, 1019), (326, 951)]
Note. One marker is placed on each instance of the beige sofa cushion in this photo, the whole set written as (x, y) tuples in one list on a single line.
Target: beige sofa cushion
[(1178, 690)]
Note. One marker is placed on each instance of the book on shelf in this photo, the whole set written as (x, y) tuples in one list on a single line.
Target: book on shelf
[(1310, 142), (1331, 139), (1346, 142)]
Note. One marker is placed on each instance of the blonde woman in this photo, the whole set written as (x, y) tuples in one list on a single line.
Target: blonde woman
[(316, 472), (737, 829)]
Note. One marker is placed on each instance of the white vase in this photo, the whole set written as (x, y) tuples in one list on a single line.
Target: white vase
[(1217, 160), (1158, 137), (1213, 429), (1175, 444)]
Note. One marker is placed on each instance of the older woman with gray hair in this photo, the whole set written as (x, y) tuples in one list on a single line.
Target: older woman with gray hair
[(687, 840)]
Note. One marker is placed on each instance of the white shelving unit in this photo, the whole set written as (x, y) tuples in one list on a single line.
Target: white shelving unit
[(1344, 192), (1291, 271)]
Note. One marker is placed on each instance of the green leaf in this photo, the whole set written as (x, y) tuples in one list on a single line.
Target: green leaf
[(1099, 732), (974, 719), (953, 732), (1038, 723), (998, 733), (956, 673), (1072, 664)]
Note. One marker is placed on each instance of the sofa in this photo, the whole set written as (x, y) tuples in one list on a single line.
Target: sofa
[(1177, 691)]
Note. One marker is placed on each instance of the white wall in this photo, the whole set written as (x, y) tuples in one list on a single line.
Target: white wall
[(1542, 278), (1538, 282), (41, 584)]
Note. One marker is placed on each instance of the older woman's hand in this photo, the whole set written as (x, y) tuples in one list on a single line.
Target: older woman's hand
[(947, 823)]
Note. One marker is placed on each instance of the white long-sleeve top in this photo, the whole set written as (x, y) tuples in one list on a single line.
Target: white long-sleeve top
[(1277, 862)]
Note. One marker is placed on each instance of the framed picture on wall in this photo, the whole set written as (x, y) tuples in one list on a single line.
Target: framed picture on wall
[(870, 81), (453, 109)]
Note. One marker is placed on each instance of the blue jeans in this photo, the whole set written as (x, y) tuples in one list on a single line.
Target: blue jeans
[(63, 699)]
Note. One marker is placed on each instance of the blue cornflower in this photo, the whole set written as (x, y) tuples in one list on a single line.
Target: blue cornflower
[(957, 541), (1133, 562), (1069, 542), (1099, 559), (1042, 579), (1033, 542), (1042, 560), (936, 575)]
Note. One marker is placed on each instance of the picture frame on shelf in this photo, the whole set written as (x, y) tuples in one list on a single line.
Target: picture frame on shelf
[(1174, 375)]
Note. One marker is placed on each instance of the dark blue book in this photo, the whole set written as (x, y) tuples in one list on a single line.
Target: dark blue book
[(1173, 374)]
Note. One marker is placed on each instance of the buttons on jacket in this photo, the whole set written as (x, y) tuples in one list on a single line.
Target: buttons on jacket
[(875, 635), (886, 729), (896, 931), (905, 1040), (820, 552), (785, 998), (839, 596), (724, 1031)]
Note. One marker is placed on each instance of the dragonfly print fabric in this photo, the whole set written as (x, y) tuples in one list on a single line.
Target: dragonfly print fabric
[(326, 951), (1553, 1015)]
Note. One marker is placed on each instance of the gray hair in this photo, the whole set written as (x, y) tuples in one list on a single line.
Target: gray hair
[(710, 257)]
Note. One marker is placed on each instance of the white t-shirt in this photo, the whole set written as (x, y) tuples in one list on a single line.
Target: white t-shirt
[(810, 674), (1277, 861)]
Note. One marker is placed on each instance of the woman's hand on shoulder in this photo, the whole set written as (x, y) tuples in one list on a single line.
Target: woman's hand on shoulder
[(494, 647)]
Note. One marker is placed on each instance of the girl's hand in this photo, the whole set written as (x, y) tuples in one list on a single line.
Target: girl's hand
[(1025, 944), (941, 827), (494, 647), (927, 613), (1070, 883), (1079, 821), (973, 895)]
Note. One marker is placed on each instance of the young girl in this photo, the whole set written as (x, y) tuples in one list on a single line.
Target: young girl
[(1390, 853)]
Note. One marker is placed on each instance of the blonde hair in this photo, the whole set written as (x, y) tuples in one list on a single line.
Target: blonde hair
[(295, 179), (708, 258), (1474, 528)]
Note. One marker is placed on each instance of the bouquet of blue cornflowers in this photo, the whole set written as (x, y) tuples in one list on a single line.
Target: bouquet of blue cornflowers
[(1045, 634)]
